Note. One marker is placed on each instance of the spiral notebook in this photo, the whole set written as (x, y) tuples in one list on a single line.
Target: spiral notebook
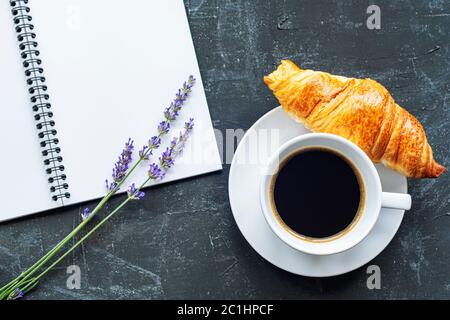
[(77, 79)]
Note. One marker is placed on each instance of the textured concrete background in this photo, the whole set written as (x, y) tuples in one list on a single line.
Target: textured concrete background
[(182, 241)]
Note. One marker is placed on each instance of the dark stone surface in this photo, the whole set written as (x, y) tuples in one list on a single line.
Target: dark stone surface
[(182, 241)]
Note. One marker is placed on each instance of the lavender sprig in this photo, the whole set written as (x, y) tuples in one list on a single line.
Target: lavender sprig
[(134, 194), (170, 114)]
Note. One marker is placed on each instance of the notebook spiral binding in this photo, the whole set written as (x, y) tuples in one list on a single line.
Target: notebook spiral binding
[(39, 97)]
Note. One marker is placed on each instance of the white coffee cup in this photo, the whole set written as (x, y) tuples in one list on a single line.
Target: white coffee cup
[(374, 198)]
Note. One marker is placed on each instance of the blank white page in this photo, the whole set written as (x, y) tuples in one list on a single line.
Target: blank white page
[(112, 66), (24, 188)]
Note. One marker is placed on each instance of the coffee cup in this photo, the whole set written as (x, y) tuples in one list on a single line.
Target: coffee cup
[(371, 196)]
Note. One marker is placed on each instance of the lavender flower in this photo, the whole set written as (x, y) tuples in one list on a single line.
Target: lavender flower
[(172, 111), (163, 127), (135, 194), (85, 214), (18, 294), (170, 114), (155, 172), (189, 125), (121, 166), (174, 142), (167, 158), (179, 145), (143, 155), (154, 142)]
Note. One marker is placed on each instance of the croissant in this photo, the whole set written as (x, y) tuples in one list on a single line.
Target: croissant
[(360, 110)]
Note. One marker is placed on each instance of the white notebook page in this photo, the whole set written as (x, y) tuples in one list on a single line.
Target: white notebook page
[(112, 66)]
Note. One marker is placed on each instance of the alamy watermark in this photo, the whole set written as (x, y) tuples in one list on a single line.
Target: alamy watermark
[(74, 279), (374, 279), (73, 17), (374, 20), (256, 149)]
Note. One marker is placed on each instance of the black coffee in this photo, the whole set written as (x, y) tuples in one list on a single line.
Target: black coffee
[(316, 193)]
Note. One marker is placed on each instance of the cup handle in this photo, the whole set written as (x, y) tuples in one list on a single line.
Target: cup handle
[(396, 200)]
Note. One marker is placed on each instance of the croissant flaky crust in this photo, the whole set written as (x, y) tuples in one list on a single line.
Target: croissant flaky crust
[(360, 110)]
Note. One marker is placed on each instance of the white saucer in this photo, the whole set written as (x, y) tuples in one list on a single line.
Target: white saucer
[(243, 191)]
